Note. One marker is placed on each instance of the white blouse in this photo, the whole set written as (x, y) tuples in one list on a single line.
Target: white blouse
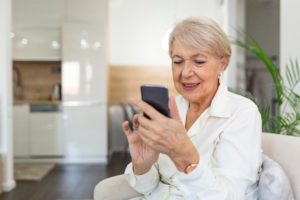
[(228, 138)]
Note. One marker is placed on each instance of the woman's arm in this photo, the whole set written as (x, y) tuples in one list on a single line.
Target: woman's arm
[(144, 183), (140, 173), (234, 164)]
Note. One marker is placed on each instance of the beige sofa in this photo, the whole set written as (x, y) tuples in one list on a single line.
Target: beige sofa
[(283, 149)]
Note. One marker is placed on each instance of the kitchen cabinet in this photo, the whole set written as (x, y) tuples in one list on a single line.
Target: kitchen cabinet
[(37, 132), (21, 130), (84, 71), (80, 130), (46, 131), (85, 131), (37, 43)]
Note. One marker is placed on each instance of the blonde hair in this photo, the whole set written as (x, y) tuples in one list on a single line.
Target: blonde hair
[(203, 34)]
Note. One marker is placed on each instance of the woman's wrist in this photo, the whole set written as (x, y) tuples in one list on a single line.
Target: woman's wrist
[(186, 158), (140, 170)]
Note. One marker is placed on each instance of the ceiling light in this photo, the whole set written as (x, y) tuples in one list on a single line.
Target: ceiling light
[(55, 44), (84, 44), (96, 45), (24, 41)]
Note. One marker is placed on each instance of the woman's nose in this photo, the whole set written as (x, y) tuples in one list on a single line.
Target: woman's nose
[(187, 69)]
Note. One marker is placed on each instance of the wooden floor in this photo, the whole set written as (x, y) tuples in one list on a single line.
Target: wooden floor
[(68, 182)]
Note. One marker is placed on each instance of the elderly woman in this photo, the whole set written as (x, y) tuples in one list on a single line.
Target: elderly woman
[(210, 147)]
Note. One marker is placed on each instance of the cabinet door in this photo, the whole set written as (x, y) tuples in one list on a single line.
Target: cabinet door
[(84, 92), (36, 43), (46, 135), (21, 130), (84, 66), (85, 129)]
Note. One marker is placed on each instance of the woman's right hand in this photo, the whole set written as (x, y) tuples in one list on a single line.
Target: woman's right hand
[(143, 157)]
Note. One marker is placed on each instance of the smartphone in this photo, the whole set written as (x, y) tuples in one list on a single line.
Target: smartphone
[(158, 97)]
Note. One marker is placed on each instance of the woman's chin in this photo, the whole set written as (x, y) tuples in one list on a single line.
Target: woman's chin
[(190, 97)]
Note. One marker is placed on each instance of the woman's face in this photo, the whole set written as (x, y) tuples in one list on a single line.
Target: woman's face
[(195, 73)]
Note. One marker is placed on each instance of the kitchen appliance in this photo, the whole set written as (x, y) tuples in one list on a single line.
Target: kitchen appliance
[(56, 92)]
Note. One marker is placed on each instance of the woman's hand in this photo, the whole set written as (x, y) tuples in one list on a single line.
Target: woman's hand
[(166, 135), (143, 157)]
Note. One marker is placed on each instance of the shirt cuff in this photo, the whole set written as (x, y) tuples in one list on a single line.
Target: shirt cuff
[(200, 177), (144, 183)]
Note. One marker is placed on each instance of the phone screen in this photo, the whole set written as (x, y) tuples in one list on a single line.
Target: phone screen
[(157, 96)]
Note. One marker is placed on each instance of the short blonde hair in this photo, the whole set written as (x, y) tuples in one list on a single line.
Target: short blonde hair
[(203, 34)]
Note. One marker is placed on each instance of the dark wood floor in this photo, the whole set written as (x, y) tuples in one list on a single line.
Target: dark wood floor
[(68, 182)]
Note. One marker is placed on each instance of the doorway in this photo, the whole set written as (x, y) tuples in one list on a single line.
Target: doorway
[(263, 24)]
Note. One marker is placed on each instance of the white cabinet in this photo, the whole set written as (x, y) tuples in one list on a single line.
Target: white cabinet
[(21, 130), (85, 129), (84, 92), (46, 136), (84, 65), (37, 133), (37, 43), (37, 29)]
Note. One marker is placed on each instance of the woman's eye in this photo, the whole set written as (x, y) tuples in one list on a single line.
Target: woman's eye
[(199, 62), (177, 62)]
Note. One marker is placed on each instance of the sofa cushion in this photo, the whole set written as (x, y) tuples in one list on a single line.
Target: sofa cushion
[(274, 183), (285, 151)]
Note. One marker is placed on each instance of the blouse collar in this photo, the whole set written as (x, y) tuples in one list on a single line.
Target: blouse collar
[(219, 106)]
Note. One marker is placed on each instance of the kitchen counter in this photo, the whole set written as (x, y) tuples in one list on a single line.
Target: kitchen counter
[(42, 102)]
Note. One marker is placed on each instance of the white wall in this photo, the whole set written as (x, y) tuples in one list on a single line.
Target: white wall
[(289, 34), (6, 95), (233, 15), (137, 27)]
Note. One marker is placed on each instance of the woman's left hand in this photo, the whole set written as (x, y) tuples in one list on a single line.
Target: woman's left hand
[(167, 135)]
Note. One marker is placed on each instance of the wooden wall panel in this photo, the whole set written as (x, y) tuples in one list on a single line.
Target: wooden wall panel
[(124, 82), (37, 78)]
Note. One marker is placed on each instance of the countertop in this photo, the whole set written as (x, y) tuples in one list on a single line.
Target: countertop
[(22, 102)]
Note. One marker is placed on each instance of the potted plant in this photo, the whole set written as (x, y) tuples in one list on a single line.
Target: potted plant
[(287, 122)]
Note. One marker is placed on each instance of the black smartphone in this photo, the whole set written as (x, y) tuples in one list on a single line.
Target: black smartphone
[(157, 96)]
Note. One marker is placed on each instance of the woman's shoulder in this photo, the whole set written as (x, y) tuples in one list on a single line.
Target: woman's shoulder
[(238, 102)]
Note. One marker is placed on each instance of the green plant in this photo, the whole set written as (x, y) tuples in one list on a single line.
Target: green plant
[(288, 120)]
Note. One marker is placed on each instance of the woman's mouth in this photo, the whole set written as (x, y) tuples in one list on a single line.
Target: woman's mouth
[(190, 86)]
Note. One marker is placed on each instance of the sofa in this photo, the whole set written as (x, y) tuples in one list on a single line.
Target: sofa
[(285, 150)]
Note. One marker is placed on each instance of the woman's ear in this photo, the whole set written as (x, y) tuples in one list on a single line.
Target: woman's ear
[(224, 63)]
